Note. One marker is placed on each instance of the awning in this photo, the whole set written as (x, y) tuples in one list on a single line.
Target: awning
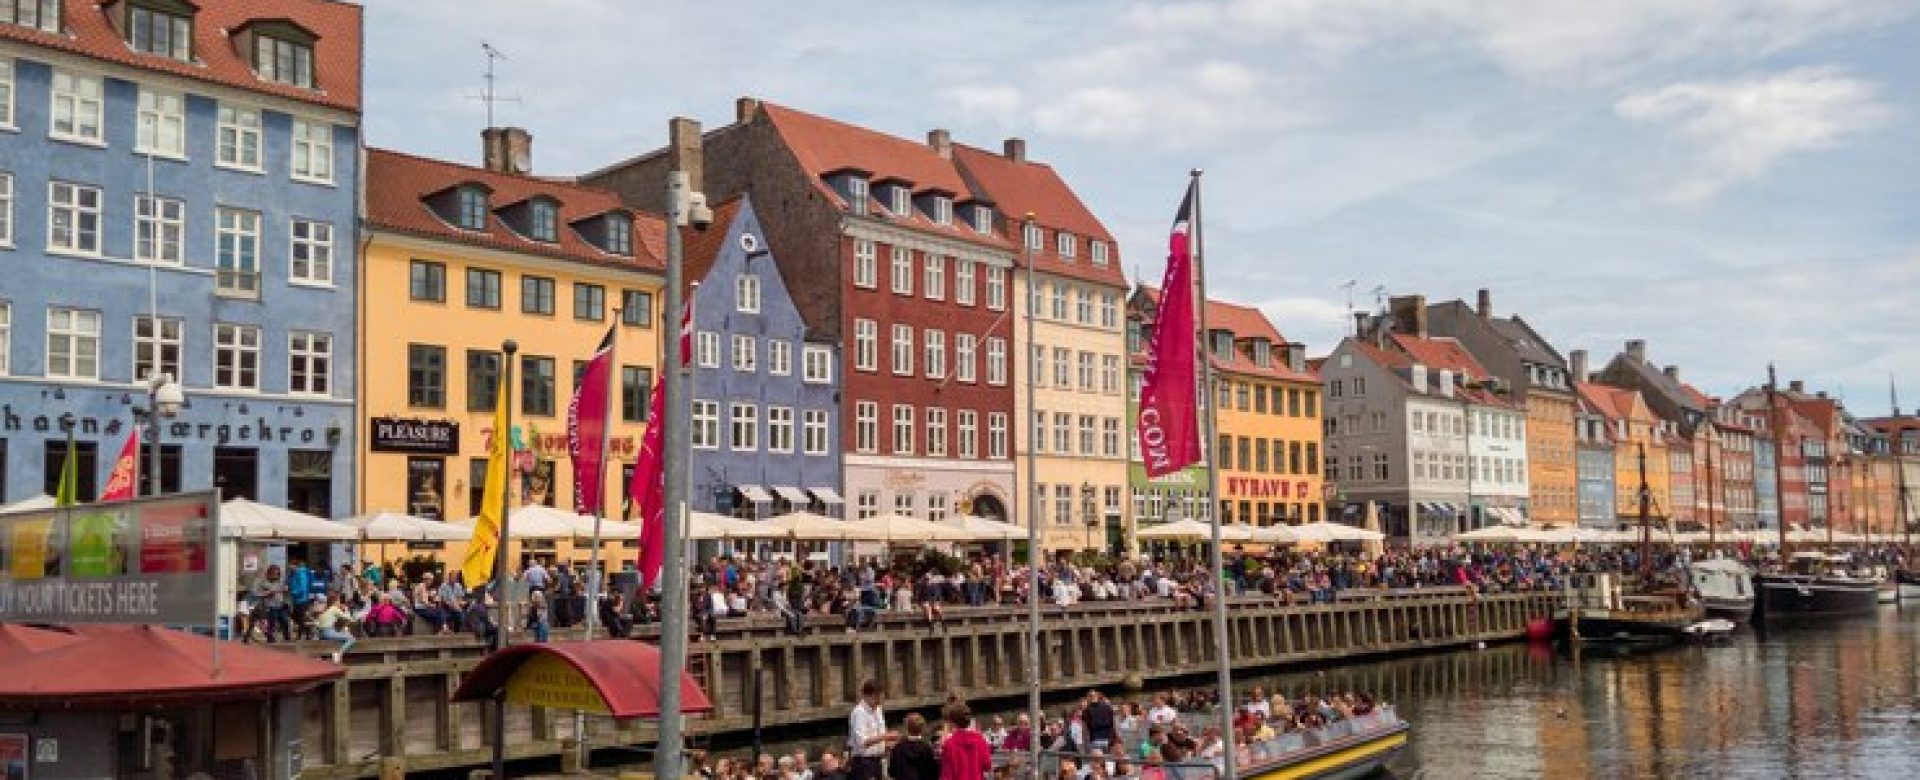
[(755, 494), (1438, 509), (792, 494), (826, 495), (85, 667), (616, 677)]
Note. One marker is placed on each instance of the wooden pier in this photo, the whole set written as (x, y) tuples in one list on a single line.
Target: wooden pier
[(393, 710)]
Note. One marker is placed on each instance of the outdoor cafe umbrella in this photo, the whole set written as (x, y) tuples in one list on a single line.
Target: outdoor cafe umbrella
[(707, 526), (1323, 531), (809, 527), (42, 501), (243, 519), (913, 530), (1195, 530), (535, 522), (984, 529), (401, 527)]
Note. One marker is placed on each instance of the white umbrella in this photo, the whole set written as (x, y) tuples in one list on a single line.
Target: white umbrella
[(707, 526), (1273, 534), (1198, 531), (534, 523), (243, 519), (42, 501), (1323, 531), (399, 527), (610, 530), (1490, 534), (982, 529), (901, 528), (807, 526)]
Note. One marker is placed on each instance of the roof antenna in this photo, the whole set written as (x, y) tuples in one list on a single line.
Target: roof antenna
[(1893, 392), (1380, 297), (488, 96), (1349, 288)]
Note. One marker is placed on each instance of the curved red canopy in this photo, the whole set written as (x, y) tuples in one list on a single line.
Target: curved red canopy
[(626, 673), (95, 667)]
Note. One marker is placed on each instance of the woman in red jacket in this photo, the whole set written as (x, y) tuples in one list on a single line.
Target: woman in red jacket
[(964, 755)]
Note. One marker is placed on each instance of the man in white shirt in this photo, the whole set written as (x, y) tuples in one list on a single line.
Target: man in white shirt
[(1162, 713), (867, 734)]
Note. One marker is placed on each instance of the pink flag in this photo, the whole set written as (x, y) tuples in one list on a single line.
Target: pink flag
[(1169, 435), (587, 427), (649, 487), (126, 471)]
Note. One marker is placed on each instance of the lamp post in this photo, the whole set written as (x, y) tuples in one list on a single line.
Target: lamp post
[(1087, 512), (164, 399)]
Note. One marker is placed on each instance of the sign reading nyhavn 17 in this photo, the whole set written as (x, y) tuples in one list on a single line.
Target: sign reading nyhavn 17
[(146, 561), (435, 437)]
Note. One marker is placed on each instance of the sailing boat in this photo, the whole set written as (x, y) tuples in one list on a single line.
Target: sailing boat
[(1656, 616), (1907, 577), (1812, 583)]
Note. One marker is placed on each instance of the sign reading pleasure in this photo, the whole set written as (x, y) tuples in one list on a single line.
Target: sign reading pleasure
[(145, 561), (433, 437)]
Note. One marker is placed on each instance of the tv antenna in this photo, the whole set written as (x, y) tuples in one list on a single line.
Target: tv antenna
[(488, 96), (1349, 288), (1380, 297)]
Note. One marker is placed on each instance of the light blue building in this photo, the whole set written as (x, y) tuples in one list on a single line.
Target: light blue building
[(178, 187), (765, 413), (1766, 475)]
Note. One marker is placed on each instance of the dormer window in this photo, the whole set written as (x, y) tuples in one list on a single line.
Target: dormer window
[(1036, 238), (42, 15), (943, 209), (982, 219), (473, 208), (856, 195), (1262, 353), (1065, 243), (902, 202), (163, 27), (1222, 341), (619, 235), (284, 55), (543, 219)]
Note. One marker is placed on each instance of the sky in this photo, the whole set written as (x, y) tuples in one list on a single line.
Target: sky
[(1734, 182)]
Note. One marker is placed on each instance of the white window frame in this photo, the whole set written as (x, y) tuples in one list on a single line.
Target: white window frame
[(1036, 237), (813, 431), (238, 345), (866, 345), (866, 504), (780, 429), (1087, 433), (857, 194), (900, 350), (305, 351), (816, 364), (1085, 370), (1109, 310), (1109, 373), (237, 251), (743, 427), (997, 435), (1041, 431), (903, 429), (1098, 249), (706, 349), (237, 138), (159, 229), (865, 273), (900, 201), (1065, 244), (746, 293), (80, 238), (1059, 302), (936, 432), (967, 429), (982, 219), (161, 126), (310, 241), (169, 336), (936, 346), (965, 355), (903, 503), (6, 209), (82, 101), (996, 288), (900, 270), (963, 280), (6, 94), (76, 330), (6, 338), (779, 357), (939, 505), (996, 361), (312, 151), (1083, 306), (1110, 437), (746, 353), (942, 210), (1063, 368), (704, 432), (866, 426), (1063, 433), (934, 285)]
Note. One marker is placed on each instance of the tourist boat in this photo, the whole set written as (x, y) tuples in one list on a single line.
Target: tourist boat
[(1603, 614), (1908, 581), (1357, 747), (1725, 587), (1815, 585)]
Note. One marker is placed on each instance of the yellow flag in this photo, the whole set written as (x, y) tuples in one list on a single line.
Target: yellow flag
[(478, 567)]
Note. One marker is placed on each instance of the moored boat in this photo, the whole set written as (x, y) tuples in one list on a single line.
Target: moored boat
[(1815, 585), (1908, 582), (1725, 587), (1603, 614), (1353, 748)]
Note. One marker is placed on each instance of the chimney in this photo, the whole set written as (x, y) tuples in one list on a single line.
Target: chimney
[(745, 109), (1359, 324), (1672, 372), (1297, 357), (1797, 386), (685, 152), (507, 150), (941, 141), (1409, 314), (1014, 149), (1637, 349), (1485, 306), (1577, 360)]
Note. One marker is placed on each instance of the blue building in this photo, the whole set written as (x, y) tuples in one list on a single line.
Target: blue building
[(1766, 475), (178, 186), (765, 421)]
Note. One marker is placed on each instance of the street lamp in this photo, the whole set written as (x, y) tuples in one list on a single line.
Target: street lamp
[(1087, 511), (164, 400)]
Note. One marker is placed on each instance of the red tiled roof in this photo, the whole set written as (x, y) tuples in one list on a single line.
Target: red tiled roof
[(336, 53), (399, 183), (1244, 322), (1439, 354), (1611, 402), (1399, 358), (1021, 188)]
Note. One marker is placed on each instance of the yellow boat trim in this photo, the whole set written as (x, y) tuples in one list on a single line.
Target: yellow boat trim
[(1336, 760)]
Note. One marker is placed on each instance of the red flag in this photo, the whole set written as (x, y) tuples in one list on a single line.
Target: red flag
[(1168, 433), (587, 427), (126, 471), (649, 488)]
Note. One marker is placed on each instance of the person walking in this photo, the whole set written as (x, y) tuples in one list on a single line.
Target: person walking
[(867, 734)]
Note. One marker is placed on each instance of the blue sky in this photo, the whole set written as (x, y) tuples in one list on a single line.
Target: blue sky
[(1732, 181)]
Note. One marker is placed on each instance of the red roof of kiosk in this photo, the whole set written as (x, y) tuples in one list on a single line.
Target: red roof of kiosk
[(94, 667), (625, 672)]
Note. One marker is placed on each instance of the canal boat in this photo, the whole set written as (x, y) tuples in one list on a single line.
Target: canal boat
[(1725, 587), (1354, 748), (1815, 584), (1602, 613), (1908, 582)]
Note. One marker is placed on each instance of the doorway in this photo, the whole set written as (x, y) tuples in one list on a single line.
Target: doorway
[(310, 482), (236, 472)]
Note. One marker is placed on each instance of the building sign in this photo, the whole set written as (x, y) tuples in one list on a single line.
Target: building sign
[(427, 437), (546, 681), (1189, 478), (144, 562), (427, 487), (1259, 487), (260, 430)]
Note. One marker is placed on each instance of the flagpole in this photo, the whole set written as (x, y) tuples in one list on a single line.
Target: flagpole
[(669, 756), (1210, 421), (498, 589), (1027, 304), (594, 578)]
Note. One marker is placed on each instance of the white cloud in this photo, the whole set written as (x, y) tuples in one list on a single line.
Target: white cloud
[(1744, 126)]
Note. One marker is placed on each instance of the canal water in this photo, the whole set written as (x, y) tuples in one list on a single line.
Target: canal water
[(1835, 699)]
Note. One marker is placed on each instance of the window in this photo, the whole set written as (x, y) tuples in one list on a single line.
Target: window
[(312, 253), (813, 431), (902, 344), (902, 429), (996, 288), (6, 206), (982, 219), (1036, 238), (746, 353), (1110, 437), (746, 293), (997, 435), (1065, 243), (6, 338), (943, 209), (278, 59), (936, 432), (1083, 307), (157, 32), (636, 393), (73, 218), (237, 140), (964, 347), (936, 353), (236, 357), (705, 433), (1099, 250), (1086, 431), (1109, 310), (156, 347), (866, 347), (426, 376), (939, 503), (1085, 366), (1063, 433), (1039, 437), (636, 308), (996, 360), (619, 234), (77, 108), (1060, 302), (1062, 504), (427, 281), (483, 288), (473, 208), (162, 127), (863, 264), (817, 363), (1062, 367), (536, 385), (867, 504), (857, 193), (238, 255), (309, 363), (589, 302), (969, 434), (743, 423), (779, 357), (935, 285), (780, 429), (312, 151), (900, 274), (903, 503), (1109, 373), (963, 282), (902, 202), (866, 426), (706, 349), (42, 15), (159, 227), (536, 295), (1038, 365)]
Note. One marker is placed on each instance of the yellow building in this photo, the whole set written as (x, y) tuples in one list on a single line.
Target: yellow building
[(459, 260), (1268, 421), (1635, 430)]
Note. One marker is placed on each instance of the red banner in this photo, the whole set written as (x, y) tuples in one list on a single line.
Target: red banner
[(649, 488), (1167, 429), (587, 428), (121, 484)]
